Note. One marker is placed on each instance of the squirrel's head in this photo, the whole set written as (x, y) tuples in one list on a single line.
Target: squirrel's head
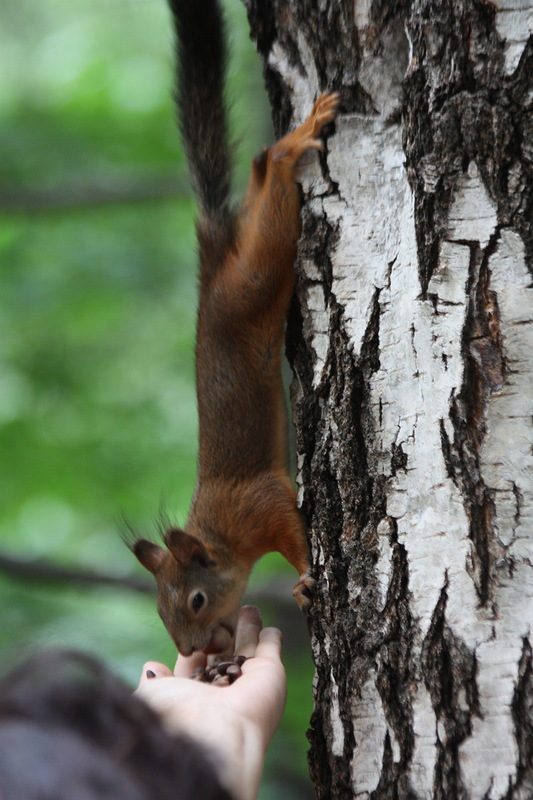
[(197, 600)]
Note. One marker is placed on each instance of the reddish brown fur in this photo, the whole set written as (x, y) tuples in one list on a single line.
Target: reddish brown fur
[(245, 504), (240, 333)]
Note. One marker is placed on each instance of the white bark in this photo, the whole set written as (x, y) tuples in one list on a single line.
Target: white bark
[(514, 21)]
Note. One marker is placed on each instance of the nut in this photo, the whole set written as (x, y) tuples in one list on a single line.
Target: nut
[(222, 672)]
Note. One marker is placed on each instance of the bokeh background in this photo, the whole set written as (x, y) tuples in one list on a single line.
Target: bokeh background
[(97, 310)]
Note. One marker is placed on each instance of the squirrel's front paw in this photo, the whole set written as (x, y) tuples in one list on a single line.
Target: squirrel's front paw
[(304, 590)]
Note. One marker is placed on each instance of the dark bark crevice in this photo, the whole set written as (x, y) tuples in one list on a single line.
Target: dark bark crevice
[(484, 373), (449, 669), (522, 710), (316, 242), (396, 668)]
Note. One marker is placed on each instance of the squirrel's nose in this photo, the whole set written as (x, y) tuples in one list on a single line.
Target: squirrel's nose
[(184, 651)]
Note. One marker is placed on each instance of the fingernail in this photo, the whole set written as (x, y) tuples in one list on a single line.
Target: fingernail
[(150, 673)]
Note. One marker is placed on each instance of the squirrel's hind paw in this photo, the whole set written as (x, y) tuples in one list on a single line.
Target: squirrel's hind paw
[(303, 591), (324, 111)]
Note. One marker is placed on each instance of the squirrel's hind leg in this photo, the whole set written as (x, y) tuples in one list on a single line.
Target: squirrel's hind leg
[(306, 136)]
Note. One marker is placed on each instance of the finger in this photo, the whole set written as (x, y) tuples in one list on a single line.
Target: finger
[(153, 669), (248, 629), (264, 680), (185, 665), (269, 645)]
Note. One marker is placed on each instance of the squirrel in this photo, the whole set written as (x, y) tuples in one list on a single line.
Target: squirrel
[(244, 503)]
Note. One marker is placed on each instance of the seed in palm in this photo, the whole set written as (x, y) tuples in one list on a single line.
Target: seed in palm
[(222, 672)]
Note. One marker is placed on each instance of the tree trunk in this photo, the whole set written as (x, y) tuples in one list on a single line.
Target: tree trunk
[(411, 340)]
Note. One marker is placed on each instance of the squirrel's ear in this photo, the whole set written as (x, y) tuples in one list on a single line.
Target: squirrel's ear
[(186, 548), (149, 554)]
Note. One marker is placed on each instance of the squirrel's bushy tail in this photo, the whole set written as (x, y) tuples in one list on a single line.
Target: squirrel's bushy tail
[(201, 67)]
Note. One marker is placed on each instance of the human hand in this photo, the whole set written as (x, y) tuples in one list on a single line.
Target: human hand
[(235, 722)]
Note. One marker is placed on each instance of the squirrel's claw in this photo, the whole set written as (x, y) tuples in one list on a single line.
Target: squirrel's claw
[(303, 591), (324, 110)]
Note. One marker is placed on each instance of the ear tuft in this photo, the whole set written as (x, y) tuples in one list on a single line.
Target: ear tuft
[(149, 554), (186, 548)]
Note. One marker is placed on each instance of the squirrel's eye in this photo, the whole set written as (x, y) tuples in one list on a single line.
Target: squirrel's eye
[(197, 601)]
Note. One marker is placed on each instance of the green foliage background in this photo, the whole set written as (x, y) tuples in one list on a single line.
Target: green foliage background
[(97, 310)]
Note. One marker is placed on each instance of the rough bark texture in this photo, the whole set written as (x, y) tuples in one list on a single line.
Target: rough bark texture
[(411, 341)]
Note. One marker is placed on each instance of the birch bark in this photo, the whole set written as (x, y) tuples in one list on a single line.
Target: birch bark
[(411, 341)]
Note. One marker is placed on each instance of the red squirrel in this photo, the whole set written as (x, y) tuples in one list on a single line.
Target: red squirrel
[(244, 504)]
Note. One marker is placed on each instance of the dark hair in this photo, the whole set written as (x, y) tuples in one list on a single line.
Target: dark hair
[(70, 730)]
